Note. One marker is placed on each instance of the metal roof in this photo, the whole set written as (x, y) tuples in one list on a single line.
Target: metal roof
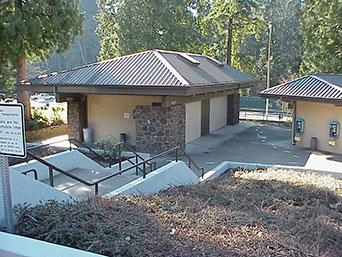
[(312, 87), (149, 68)]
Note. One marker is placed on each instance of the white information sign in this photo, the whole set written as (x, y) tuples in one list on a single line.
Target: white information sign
[(12, 131)]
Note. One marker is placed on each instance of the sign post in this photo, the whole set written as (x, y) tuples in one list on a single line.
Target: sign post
[(12, 144)]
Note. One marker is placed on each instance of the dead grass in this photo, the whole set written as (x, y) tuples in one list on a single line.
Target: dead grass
[(257, 213)]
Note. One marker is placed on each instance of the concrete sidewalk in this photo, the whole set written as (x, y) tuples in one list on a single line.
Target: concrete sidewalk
[(256, 142)]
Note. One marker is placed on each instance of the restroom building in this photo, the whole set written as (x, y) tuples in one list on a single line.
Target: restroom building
[(317, 110), (158, 99)]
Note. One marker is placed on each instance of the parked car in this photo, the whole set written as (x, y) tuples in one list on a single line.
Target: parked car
[(42, 97)]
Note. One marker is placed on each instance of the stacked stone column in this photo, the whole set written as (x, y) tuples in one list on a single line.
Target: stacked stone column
[(159, 128), (77, 118), (233, 109)]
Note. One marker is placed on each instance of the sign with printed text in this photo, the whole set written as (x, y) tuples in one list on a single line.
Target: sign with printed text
[(12, 131)]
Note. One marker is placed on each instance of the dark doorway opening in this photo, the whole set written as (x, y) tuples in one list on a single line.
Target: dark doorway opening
[(205, 114)]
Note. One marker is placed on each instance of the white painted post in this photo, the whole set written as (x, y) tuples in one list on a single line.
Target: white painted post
[(6, 192), (13, 143)]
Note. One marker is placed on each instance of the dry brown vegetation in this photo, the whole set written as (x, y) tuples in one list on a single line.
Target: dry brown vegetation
[(256, 213)]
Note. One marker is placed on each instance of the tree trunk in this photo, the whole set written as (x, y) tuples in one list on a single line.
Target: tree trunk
[(229, 41), (23, 96)]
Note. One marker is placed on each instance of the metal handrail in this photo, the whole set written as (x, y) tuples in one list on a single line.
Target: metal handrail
[(84, 145), (194, 163), (137, 156), (35, 173), (53, 167), (175, 149), (109, 160), (96, 183)]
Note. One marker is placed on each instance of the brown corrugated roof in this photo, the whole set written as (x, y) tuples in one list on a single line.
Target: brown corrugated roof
[(149, 68), (320, 87)]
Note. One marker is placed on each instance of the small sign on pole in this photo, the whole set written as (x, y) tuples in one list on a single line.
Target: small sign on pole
[(12, 144)]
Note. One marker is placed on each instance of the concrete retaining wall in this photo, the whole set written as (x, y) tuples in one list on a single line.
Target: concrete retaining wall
[(226, 165), (172, 174), (23, 246), (28, 190), (67, 160), (44, 133)]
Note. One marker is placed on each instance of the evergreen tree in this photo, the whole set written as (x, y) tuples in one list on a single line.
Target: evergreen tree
[(286, 44), (129, 26), (84, 49), (226, 26), (33, 29), (322, 35)]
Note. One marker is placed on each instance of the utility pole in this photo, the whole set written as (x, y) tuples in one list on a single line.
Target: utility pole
[(268, 66)]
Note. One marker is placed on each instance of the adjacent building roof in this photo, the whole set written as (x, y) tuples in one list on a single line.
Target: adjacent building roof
[(152, 68), (319, 87)]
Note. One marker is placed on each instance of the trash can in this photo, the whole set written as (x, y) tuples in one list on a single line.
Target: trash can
[(123, 137), (313, 144), (88, 135)]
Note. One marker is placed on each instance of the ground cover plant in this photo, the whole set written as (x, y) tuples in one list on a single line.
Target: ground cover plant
[(242, 213)]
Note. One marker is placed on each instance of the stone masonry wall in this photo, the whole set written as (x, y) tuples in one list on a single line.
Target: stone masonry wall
[(77, 118), (233, 109), (159, 128)]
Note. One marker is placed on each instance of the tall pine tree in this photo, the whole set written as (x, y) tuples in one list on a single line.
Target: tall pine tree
[(34, 29), (129, 26), (322, 35)]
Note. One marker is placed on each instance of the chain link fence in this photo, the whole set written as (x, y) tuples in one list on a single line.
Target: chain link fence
[(254, 108)]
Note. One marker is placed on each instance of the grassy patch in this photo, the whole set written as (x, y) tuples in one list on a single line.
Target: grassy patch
[(257, 213)]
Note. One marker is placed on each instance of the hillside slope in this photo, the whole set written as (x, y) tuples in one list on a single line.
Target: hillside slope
[(258, 213)]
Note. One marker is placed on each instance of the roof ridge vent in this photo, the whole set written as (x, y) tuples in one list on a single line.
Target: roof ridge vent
[(215, 61), (41, 76), (188, 58)]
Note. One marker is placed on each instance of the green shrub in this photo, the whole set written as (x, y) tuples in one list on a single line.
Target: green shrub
[(38, 120), (107, 147), (56, 118), (31, 125)]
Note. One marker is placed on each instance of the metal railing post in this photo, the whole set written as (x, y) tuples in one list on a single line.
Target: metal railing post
[(70, 146), (144, 169), (136, 162), (51, 176), (176, 154), (96, 188), (120, 157)]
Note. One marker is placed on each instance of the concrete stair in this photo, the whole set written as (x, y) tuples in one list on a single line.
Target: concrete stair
[(80, 191)]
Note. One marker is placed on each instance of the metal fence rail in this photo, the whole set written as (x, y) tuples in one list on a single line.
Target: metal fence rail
[(143, 163), (260, 115)]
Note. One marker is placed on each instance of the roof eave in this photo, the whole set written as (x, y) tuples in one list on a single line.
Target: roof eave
[(287, 98), (183, 90)]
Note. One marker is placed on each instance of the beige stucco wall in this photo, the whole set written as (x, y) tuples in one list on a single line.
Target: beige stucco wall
[(106, 114), (317, 117), (218, 113), (192, 121)]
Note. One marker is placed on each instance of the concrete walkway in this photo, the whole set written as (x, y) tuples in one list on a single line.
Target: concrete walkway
[(258, 143), (265, 143)]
